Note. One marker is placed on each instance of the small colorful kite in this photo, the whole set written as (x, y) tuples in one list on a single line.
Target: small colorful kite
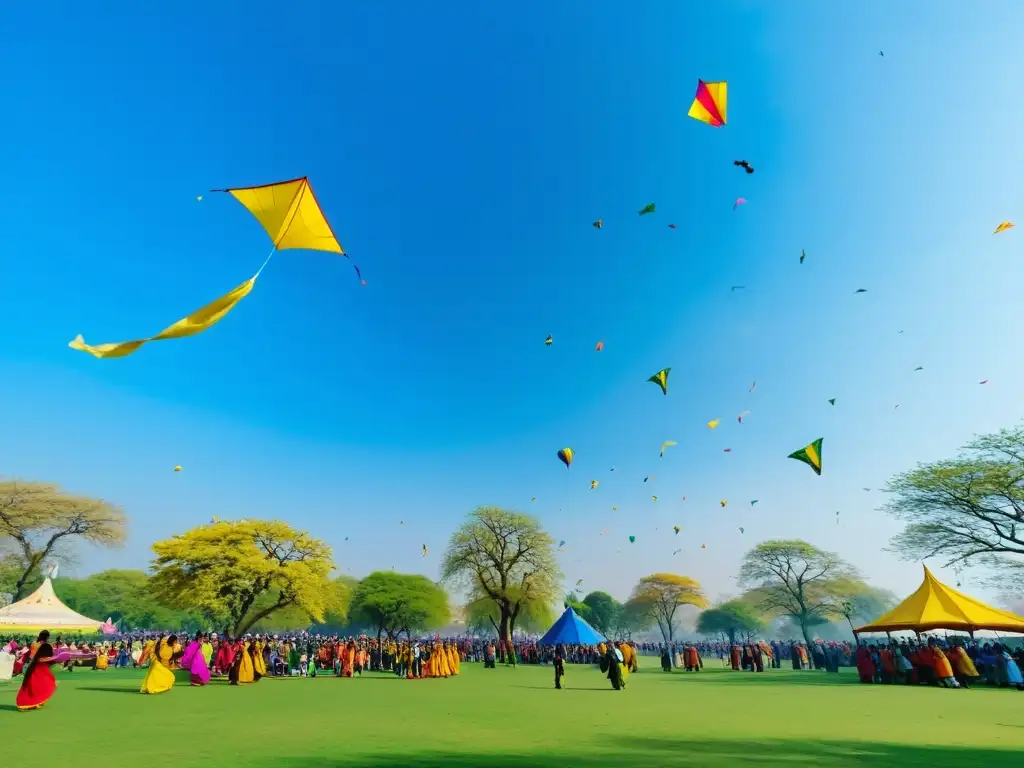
[(1003, 227), (632, 539), (713, 423), (739, 201), (803, 255), (561, 543), (684, 498), (600, 346), (654, 498), (649, 208), (983, 381), (677, 529), (579, 582), (740, 417), (710, 104), (724, 503), (598, 224), (727, 450), (831, 401), (424, 551), (666, 444), (661, 379), (199, 198), (754, 501), (614, 509), (754, 384), (811, 455), (549, 340), (919, 368), (671, 226), (401, 522), (741, 530), (744, 165), (534, 500), (649, 477), (593, 484), (861, 290), (566, 454), (703, 546), (177, 468)]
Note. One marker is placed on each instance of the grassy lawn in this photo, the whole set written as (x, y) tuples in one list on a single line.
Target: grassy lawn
[(515, 719)]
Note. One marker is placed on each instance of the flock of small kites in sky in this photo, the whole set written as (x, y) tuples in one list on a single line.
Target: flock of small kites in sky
[(289, 213)]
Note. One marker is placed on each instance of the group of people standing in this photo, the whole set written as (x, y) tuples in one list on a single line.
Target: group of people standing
[(949, 665)]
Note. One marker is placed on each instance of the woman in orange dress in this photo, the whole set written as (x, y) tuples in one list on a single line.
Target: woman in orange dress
[(39, 684)]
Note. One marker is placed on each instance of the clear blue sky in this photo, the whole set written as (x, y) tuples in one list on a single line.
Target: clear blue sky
[(461, 152)]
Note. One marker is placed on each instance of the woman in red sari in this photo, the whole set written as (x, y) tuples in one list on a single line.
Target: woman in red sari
[(39, 684)]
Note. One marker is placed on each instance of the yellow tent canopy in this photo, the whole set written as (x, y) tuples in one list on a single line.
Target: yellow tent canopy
[(936, 606)]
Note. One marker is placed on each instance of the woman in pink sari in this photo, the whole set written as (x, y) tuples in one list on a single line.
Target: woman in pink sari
[(194, 663)]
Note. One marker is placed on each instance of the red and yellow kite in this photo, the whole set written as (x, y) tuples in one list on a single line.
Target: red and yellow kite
[(709, 105)]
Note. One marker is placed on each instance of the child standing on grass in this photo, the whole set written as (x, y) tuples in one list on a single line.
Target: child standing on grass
[(559, 663)]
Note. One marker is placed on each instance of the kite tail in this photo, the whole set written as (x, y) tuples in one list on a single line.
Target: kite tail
[(356, 268), (265, 261)]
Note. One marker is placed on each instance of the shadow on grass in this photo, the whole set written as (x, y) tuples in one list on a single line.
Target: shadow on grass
[(8, 708), (111, 690), (706, 753), (769, 677)]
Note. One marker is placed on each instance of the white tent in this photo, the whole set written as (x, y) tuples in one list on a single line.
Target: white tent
[(42, 610)]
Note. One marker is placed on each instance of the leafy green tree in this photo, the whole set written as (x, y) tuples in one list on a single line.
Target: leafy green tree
[(483, 615), (635, 616), (398, 602), (731, 618), (966, 510), (40, 521), (797, 579), (504, 556), (604, 612), (582, 609), (244, 571), (660, 595), (126, 597)]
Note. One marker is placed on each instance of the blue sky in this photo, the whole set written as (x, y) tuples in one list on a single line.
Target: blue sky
[(461, 157)]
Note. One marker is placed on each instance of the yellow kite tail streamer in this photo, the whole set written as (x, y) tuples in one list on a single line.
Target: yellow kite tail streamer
[(199, 321)]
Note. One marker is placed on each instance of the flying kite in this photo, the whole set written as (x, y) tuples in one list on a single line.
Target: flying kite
[(713, 423), (649, 208), (676, 528), (600, 346), (614, 509), (593, 484), (919, 368), (739, 201), (803, 255), (561, 543), (983, 381), (727, 450), (831, 401), (676, 552), (177, 468), (654, 498), (703, 546), (735, 288), (604, 532), (199, 198), (534, 500), (566, 454), (598, 224), (752, 385), (744, 165), (665, 445), (741, 530), (811, 455), (1003, 227), (661, 379), (861, 290), (723, 502), (740, 417), (579, 582), (424, 551), (291, 216), (649, 477), (549, 340), (754, 501), (671, 226), (710, 103), (632, 539)]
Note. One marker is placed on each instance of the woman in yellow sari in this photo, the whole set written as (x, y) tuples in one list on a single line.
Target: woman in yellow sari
[(242, 670), (440, 660), (259, 665), (453, 659), (160, 678)]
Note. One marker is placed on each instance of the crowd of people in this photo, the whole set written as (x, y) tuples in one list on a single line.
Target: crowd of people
[(950, 664)]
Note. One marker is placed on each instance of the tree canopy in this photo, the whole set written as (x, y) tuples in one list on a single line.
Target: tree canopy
[(126, 597), (244, 571), (969, 509), (794, 578), (39, 522), (506, 557), (660, 595), (398, 602), (483, 615), (604, 612), (731, 618)]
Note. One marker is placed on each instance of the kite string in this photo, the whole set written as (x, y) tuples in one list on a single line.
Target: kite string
[(265, 262)]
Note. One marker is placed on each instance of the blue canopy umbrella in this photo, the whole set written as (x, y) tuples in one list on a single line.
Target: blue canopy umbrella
[(570, 629)]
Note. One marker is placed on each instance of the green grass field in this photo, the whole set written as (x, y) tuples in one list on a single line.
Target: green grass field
[(513, 718)]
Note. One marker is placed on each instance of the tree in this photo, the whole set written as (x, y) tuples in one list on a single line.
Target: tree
[(126, 597), (794, 578), (483, 615), (969, 508), (582, 609), (507, 557), (661, 594), (604, 611), (398, 602), (39, 520), (634, 617), (244, 571), (731, 618)]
